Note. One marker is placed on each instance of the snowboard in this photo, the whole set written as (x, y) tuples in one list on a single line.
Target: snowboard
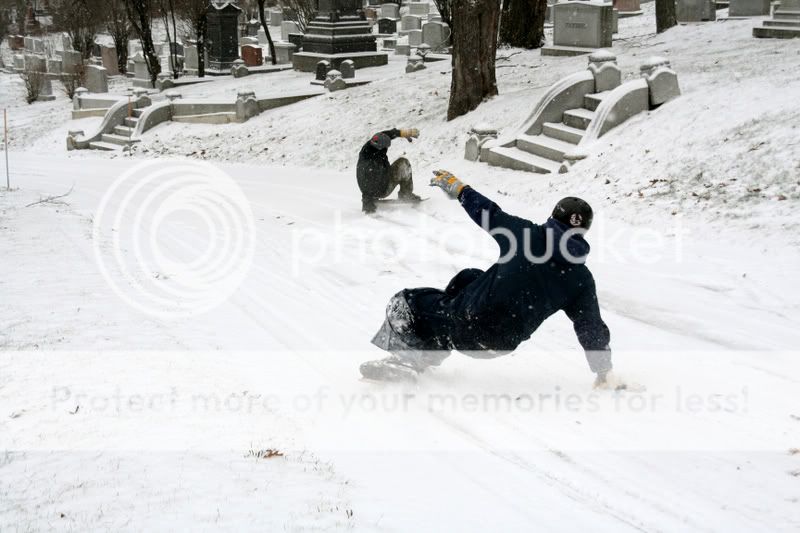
[(385, 201)]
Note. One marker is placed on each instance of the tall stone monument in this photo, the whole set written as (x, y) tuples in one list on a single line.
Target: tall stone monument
[(338, 33), (222, 37)]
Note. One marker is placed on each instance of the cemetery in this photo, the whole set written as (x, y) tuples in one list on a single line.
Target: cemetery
[(194, 270)]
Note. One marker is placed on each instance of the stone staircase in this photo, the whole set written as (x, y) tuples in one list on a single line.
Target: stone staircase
[(121, 136), (785, 22), (544, 153), (573, 114)]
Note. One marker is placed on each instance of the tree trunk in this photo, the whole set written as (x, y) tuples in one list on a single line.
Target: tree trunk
[(522, 23), (139, 14), (474, 44), (201, 45), (121, 44), (262, 17), (665, 15)]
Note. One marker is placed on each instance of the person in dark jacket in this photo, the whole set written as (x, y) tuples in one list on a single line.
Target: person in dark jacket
[(376, 177), (541, 270)]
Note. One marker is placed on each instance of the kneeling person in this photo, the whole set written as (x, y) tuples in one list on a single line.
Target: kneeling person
[(377, 178)]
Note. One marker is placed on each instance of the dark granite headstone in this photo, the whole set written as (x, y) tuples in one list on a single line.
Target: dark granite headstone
[(322, 70), (297, 40), (223, 36), (387, 26)]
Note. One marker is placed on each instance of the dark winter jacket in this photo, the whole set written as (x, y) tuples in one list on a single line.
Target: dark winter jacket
[(503, 306), (373, 166)]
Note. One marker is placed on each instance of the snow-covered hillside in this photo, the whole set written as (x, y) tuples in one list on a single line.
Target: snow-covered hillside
[(252, 416)]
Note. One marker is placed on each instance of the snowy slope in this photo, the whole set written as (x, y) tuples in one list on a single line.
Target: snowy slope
[(509, 443), (116, 418)]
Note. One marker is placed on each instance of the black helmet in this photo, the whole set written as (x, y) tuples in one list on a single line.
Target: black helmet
[(381, 141), (573, 212)]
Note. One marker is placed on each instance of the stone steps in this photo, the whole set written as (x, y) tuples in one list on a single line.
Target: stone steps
[(578, 118), (786, 14), (592, 101), (777, 32), (131, 122), (563, 132), (544, 146), (781, 23), (119, 140), (125, 131), (100, 145), (516, 159)]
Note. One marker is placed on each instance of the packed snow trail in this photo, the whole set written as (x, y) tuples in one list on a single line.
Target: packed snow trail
[(476, 445)]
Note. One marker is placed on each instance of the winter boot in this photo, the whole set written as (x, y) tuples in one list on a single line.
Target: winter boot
[(392, 368), (368, 205)]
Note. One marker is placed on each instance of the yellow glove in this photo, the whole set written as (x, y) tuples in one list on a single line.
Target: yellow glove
[(409, 134), (447, 182)]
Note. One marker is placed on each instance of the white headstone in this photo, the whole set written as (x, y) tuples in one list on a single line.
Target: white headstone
[(96, 79)]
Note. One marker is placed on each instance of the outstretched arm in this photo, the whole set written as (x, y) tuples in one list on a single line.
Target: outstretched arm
[(592, 332)]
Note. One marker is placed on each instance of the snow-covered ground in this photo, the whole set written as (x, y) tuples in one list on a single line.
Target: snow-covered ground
[(114, 415)]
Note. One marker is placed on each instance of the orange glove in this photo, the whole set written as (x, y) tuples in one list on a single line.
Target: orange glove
[(447, 182)]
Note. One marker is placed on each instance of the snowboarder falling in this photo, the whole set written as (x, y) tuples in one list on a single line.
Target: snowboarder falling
[(376, 177), (487, 314)]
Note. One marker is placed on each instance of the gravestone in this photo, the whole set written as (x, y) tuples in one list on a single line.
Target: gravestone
[(414, 37), (284, 51), (252, 27), (749, 8), (628, 7), (35, 63), (176, 48), (275, 18), (415, 63), (38, 46), (191, 61), (436, 35), (411, 22), (46, 91), (288, 27), (387, 26), (16, 42), (141, 76), (223, 28), (252, 55), (580, 26), (239, 69), (297, 40), (109, 57), (248, 40), (27, 43), (54, 66), (338, 32), (696, 10), (348, 69), (334, 81), (96, 79), (389, 43), (19, 62), (70, 59), (133, 47), (402, 49), (419, 8), (390, 11), (322, 70), (261, 35)]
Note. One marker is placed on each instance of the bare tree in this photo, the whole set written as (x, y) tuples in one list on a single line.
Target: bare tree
[(119, 27), (474, 45), (140, 15), (522, 23), (70, 81), (301, 11), (195, 12), (167, 11), (80, 19), (445, 10), (34, 81), (263, 18), (665, 15)]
